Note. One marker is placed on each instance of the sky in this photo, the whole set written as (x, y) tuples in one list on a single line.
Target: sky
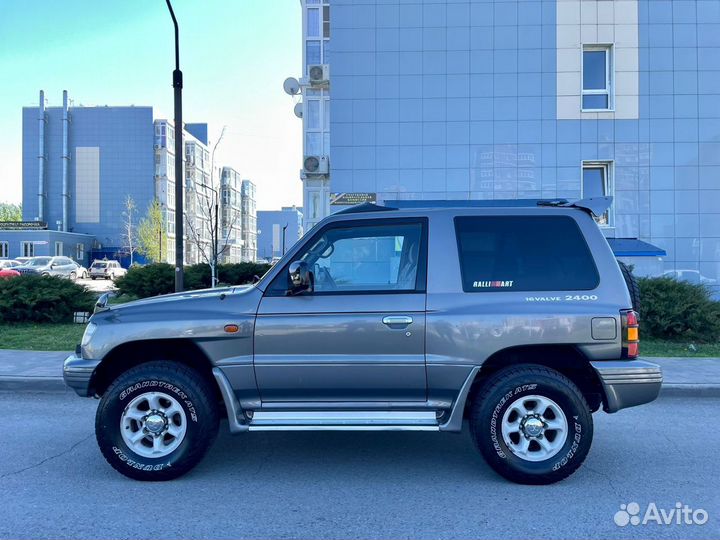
[(234, 54)]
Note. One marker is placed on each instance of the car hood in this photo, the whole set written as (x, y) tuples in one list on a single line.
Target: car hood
[(173, 300)]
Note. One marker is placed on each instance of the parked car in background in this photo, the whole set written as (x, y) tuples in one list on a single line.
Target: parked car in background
[(51, 266), (106, 270), (7, 273), (22, 260), (81, 272), (9, 263)]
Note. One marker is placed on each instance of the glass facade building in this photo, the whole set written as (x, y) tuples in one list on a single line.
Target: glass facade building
[(463, 100), (80, 164)]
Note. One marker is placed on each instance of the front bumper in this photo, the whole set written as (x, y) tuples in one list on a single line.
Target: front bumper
[(628, 383), (77, 373)]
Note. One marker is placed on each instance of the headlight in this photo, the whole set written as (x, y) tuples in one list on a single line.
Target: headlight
[(89, 331)]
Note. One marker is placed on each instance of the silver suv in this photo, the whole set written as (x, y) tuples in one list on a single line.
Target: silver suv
[(516, 318)]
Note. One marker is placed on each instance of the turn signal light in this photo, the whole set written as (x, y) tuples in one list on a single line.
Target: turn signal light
[(231, 328)]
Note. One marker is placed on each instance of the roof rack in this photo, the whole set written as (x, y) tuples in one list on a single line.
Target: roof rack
[(594, 205)]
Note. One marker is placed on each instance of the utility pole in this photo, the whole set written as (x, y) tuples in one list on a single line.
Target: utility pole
[(179, 187)]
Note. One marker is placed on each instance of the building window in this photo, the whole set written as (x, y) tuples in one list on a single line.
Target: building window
[(326, 22), (312, 52), (597, 79), (27, 249), (313, 22), (58, 249), (4, 250), (80, 252), (597, 182)]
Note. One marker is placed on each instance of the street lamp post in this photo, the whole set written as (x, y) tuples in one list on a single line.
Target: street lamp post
[(179, 187)]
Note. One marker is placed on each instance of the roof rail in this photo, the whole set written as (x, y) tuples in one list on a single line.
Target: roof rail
[(596, 206), (593, 205), (365, 207)]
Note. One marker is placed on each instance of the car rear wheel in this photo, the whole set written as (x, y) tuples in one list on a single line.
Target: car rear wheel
[(157, 421), (73, 276), (531, 424)]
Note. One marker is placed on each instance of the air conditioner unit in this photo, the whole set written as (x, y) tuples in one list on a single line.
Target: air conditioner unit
[(316, 165), (319, 75)]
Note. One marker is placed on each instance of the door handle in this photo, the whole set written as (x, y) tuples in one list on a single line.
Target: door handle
[(397, 320)]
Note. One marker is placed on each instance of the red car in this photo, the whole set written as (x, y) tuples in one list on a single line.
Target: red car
[(7, 273)]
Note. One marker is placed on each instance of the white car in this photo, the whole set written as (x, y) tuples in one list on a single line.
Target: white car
[(106, 270), (9, 264)]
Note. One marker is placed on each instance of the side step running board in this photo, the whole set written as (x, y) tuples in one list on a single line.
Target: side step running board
[(344, 421)]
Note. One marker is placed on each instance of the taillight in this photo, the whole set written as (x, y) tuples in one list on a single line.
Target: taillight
[(630, 334)]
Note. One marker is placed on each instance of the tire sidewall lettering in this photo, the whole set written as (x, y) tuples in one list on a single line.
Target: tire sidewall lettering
[(153, 385)]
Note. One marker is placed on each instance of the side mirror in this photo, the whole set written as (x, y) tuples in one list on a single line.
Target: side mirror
[(301, 278)]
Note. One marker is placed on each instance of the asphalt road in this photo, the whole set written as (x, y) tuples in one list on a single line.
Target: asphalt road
[(55, 484)]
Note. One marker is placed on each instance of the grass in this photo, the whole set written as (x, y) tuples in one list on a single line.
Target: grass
[(651, 347), (40, 337)]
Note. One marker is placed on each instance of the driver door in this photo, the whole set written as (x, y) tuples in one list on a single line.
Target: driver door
[(360, 334)]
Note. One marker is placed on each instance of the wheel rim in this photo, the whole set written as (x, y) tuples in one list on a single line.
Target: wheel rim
[(153, 424), (534, 428)]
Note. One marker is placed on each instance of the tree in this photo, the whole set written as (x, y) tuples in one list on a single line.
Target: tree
[(129, 233), (211, 236), (151, 234), (10, 212)]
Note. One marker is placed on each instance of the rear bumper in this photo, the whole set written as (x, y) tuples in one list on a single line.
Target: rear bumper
[(77, 373), (628, 383)]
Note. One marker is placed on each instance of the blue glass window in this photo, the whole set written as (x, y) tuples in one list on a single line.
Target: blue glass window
[(313, 22), (312, 52), (596, 78), (595, 184)]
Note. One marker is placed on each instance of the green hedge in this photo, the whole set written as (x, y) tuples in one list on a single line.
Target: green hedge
[(155, 279), (678, 310), (32, 298)]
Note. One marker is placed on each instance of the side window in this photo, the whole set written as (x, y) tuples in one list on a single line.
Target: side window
[(524, 253), (368, 257)]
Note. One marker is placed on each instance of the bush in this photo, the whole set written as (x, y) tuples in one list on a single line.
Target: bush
[(155, 279), (150, 280), (32, 298), (678, 310), (241, 273)]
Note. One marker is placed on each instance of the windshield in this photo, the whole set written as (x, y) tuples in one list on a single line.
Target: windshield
[(38, 261), (99, 264)]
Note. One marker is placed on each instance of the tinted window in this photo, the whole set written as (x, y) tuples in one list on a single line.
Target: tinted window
[(527, 253)]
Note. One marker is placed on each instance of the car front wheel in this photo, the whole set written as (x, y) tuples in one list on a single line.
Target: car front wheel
[(531, 424), (157, 421)]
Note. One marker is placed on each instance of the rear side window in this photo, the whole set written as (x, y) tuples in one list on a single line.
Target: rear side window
[(524, 253)]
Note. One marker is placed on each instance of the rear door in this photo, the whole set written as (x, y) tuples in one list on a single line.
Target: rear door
[(360, 335)]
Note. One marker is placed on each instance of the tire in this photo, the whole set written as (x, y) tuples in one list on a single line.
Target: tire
[(173, 388), (513, 389), (73, 276), (93, 278), (632, 285)]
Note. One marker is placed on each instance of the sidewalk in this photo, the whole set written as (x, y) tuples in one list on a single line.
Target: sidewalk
[(42, 371)]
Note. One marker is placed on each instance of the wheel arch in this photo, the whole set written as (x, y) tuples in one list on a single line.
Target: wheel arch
[(134, 353), (566, 359)]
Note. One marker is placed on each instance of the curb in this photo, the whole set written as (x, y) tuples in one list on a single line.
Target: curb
[(690, 390), (32, 384), (56, 384)]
